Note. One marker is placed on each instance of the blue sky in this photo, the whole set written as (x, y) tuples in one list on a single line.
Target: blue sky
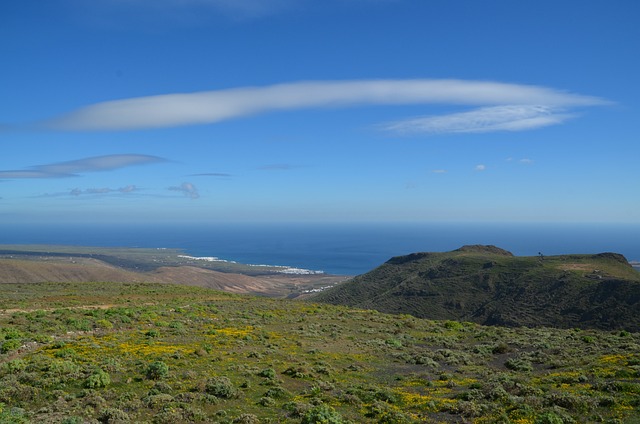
[(333, 110)]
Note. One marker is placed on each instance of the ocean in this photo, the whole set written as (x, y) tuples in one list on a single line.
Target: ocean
[(343, 249)]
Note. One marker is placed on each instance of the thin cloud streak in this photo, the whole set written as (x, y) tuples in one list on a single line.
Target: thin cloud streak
[(99, 163), (212, 174), (28, 174), (486, 119), (104, 190), (208, 107), (75, 167)]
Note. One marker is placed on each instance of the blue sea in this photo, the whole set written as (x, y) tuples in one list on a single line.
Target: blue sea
[(344, 249)]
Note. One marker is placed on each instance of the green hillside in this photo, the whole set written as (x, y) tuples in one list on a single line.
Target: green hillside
[(488, 285), (149, 353)]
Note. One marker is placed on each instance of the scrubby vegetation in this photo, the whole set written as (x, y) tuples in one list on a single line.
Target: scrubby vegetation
[(175, 354)]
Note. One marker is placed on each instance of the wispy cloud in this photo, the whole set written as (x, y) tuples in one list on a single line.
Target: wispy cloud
[(104, 190), (526, 161), (75, 167), (212, 174), (504, 106), (26, 174), (480, 167), (188, 189), (439, 171), (486, 119)]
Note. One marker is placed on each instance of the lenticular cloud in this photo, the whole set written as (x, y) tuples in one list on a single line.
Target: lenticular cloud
[(502, 106)]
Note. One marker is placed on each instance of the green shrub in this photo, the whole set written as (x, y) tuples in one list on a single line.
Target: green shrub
[(104, 323), (549, 418), (10, 345), (113, 416), (246, 419), (13, 367), (268, 373), (322, 414), (517, 364), (97, 380), (176, 325), (500, 349), (65, 352), (267, 401), (157, 370), (394, 343), (297, 372), (11, 334), (160, 387), (62, 367), (161, 400), (221, 387), (276, 393), (13, 415), (453, 325)]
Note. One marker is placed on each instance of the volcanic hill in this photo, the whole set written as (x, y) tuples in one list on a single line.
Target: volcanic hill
[(491, 286)]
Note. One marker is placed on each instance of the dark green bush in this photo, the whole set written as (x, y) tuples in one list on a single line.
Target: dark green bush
[(10, 345), (157, 370), (548, 418), (518, 364), (268, 373)]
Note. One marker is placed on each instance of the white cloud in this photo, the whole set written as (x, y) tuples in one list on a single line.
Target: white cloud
[(486, 119), (509, 107), (188, 189), (480, 167), (526, 161), (439, 171)]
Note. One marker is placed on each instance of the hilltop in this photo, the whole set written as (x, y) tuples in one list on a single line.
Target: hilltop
[(489, 285)]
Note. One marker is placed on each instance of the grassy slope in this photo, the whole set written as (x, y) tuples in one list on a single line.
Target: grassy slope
[(490, 286), (233, 358)]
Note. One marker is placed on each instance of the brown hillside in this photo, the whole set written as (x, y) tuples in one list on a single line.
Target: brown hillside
[(92, 270), (76, 270)]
